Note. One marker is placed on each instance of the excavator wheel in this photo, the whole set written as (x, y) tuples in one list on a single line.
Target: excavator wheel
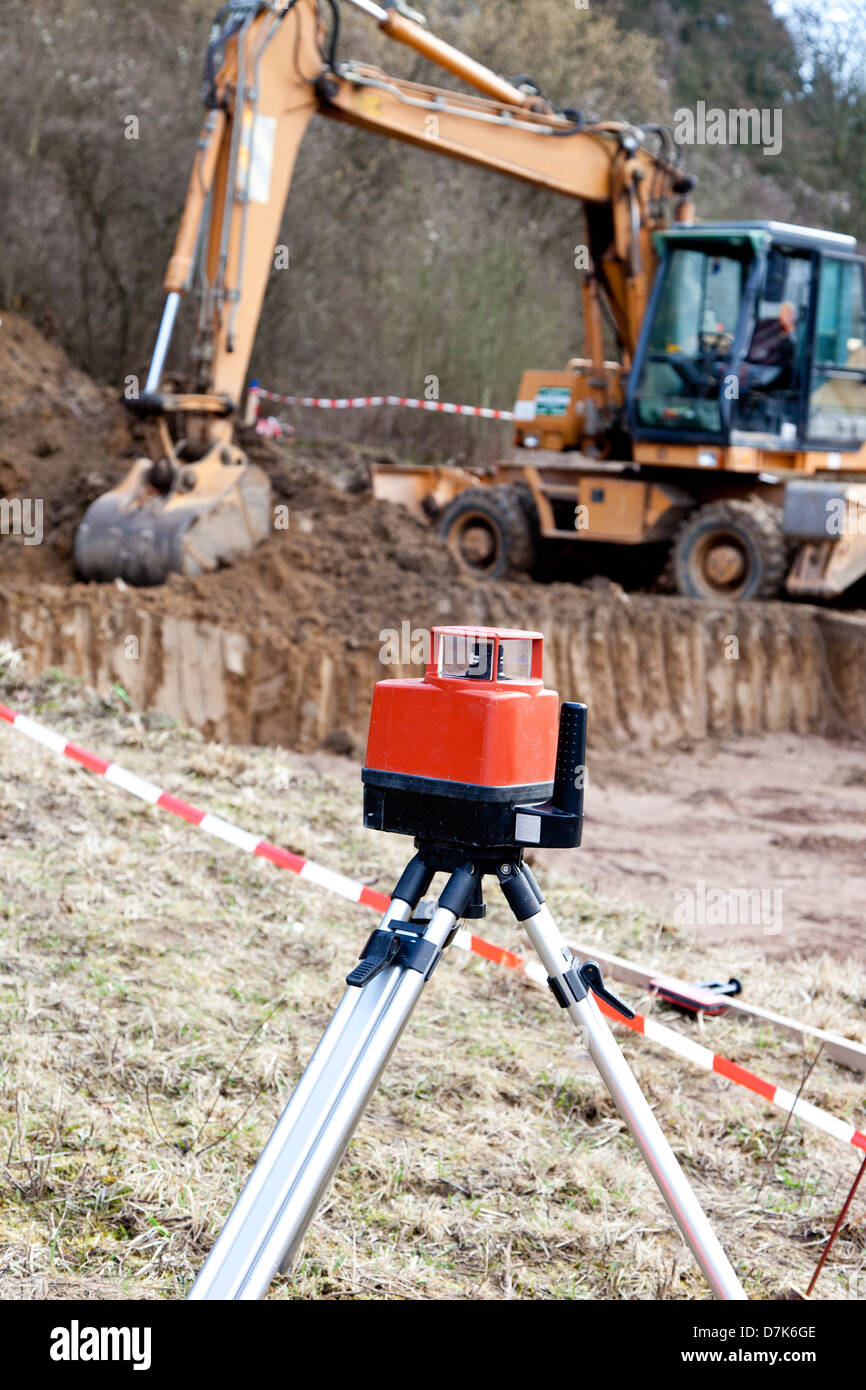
[(175, 516), (490, 531), (733, 550)]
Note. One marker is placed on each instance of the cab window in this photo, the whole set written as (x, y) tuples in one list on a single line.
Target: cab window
[(690, 341), (771, 372), (837, 388)]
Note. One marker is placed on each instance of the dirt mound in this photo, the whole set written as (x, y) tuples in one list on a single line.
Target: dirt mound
[(345, 562), (337, 559), (63, 441)]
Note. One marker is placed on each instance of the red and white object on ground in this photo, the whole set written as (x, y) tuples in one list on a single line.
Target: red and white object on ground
[(845, 1050), (692, 999), (358, 892)]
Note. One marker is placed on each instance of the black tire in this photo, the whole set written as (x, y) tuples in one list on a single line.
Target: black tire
[(730, 550), (490, 531)]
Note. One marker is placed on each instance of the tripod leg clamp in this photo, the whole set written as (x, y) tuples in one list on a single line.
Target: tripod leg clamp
[(522, 893), (568, 989), (385, 948), (578, 983)]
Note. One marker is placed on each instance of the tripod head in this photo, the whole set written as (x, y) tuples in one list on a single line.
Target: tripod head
[(470, 757)]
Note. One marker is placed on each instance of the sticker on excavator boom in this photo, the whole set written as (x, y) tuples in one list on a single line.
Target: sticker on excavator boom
[(256, 157), (367, 102)]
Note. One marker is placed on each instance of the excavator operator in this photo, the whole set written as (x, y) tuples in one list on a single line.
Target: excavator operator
[(770, 359)]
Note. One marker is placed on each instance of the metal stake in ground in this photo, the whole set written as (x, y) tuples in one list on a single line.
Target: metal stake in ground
[(837, 1228), (461, 760)]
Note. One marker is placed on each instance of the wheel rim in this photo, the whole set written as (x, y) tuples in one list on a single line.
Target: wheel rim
[(722, 563), (475, 542)]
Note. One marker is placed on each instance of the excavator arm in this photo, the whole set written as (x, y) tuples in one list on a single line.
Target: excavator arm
[(269, 69), (623, 188)]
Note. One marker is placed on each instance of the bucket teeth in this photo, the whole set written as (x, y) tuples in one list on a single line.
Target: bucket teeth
[(214, 511)]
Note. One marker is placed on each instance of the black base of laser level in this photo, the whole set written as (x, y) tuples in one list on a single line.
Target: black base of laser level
[(475, 817)]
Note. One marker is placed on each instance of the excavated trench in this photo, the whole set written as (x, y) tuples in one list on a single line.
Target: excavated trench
[(653, 671)]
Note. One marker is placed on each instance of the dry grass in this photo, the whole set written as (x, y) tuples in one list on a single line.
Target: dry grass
[(161, 994)]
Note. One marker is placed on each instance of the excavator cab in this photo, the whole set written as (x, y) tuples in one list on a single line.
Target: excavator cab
[(755, 335)]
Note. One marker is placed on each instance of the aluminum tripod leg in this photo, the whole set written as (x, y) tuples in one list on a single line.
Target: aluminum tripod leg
[(631, 1102), (269, 1220)]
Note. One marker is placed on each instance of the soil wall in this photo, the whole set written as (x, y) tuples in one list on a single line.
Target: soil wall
[(653, 671)]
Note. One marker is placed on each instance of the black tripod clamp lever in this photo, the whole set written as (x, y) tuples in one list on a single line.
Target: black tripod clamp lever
[(579, 980), (590, 973), (381, 950), (385, 948)]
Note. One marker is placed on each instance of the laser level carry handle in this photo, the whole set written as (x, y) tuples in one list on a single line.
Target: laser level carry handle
[(558, 822), (570, 773)]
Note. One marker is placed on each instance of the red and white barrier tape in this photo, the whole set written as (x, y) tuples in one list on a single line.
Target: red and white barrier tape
[(711, 1061), (307, 869), (205, 820), (359, 893), (482, 412)]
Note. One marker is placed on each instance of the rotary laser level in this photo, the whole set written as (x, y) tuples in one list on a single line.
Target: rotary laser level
[(468, 756), (469, 762)]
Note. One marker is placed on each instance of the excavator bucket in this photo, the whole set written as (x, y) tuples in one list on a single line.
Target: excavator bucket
[(206, 515)]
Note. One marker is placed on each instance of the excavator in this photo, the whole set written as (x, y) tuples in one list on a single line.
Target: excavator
[(729, 432)]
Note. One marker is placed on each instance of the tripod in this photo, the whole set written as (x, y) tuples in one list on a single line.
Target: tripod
[(264, 1231)]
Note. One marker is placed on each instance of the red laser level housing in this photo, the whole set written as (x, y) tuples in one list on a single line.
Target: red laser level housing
[(468, 754)]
